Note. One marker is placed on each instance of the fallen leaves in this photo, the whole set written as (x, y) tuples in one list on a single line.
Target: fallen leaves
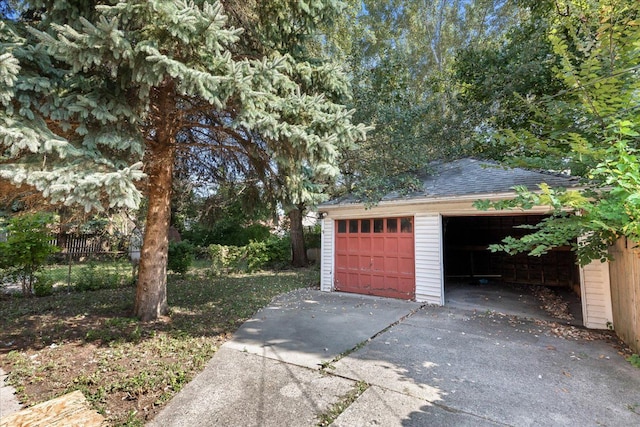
[(552, 303)]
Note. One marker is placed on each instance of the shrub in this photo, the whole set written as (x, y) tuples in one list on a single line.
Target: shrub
[(257, 256), (89, 279), (279, 249), (27, 248), (43, 285), (226, 233), (92, 277), (218, 255), (180, 256), (313, 237), (257, 233), (274, 252)]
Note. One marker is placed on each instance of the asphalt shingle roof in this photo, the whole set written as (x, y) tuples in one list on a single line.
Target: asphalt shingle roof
[(468, 176)]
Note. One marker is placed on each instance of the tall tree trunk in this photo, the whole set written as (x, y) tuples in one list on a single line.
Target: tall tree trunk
[(151, 292), (299, 253)]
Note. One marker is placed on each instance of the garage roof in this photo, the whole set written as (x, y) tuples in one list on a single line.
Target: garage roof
[(469, 176)]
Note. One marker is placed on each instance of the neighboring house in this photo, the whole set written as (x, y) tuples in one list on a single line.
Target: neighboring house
[(411, 246)]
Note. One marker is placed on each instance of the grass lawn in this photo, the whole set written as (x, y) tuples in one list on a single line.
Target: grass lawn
[(87, 341)]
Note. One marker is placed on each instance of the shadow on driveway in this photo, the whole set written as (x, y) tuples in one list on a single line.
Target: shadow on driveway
[(424, 366)]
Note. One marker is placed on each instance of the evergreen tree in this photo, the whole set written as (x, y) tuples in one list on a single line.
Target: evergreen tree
[(99, 95)]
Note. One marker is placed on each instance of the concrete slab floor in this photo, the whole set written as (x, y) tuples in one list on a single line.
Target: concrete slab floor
[(511, 299)]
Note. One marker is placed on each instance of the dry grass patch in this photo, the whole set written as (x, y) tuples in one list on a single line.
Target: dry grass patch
[(127, 369)]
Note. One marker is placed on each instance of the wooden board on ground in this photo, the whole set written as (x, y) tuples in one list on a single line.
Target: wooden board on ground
[(69, 410)]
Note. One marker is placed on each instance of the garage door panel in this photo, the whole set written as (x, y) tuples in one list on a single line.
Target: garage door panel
[(341, 259), (353, 279), (377, 281), (341, 278), (376, 257), (378, 263), (406, 284), (364, 263), (406, 266), (391, 265), (365, 244), (363, 281), (390, 246)]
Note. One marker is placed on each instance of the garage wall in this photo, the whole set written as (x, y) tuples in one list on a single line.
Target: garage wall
[(327, 254), (596, 295), (428, 253)]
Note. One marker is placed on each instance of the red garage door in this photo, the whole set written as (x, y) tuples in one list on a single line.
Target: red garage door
[(375, 257)]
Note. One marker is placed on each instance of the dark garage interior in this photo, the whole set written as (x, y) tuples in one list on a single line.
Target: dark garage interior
[(468, 262)]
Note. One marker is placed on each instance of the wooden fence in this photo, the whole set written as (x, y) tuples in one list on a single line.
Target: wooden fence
[(84, 246), (625, 291)]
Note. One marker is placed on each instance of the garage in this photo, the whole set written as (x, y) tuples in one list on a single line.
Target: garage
[(466, 254), (375, 256), (411, 246)]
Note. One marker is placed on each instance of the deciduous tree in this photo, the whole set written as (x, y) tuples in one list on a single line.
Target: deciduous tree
[(593, 122)]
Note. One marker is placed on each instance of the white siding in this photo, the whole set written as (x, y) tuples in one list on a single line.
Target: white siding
[(596, 295), (428, 253), (326, 256)]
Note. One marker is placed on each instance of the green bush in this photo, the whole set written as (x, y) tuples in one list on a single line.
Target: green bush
[(180, 257), (27, 248), (274, 252), (226, 233), (218, 255), (89, 279), (256, 255), (313, 237), (93, 277), (43, 285), (279, 249)]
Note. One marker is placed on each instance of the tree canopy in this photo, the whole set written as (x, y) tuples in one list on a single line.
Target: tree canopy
[(590, 128), (401, 55)]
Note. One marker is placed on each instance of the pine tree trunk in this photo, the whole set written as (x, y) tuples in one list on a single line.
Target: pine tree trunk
[(151, 292), (298, 250)]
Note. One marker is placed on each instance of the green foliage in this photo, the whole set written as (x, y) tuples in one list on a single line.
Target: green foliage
[(500, 81), (634, 359), (593, 122), (180, 256), (401, 57), (275, 252), (313, 237), (279, 250), (27, 248), (230, 216), (43, 285), (227, 232), (107, 62), (93, 277)]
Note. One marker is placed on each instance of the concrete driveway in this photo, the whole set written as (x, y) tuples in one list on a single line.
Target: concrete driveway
[(302, 356)]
